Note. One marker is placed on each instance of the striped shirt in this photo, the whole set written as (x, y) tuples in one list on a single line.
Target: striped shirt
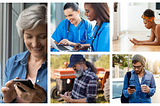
[(86, 86)]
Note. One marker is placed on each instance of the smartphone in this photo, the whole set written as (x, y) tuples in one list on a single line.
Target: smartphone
[(132, 86), (129, 38), (26, 82)]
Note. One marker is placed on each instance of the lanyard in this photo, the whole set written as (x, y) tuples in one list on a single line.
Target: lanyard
[(95, 36)]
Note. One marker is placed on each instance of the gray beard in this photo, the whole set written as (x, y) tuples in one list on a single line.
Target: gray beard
[(79, 72)]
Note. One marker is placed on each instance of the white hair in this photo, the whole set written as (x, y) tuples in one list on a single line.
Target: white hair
[(31, 17)]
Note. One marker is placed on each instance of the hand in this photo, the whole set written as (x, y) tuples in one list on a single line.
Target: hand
[(134, 41), (51, 46), (130, 91), (78, 46), (37, 95), (68, 94), (145, 88), (9, 93), (66, 98), (65, 42)]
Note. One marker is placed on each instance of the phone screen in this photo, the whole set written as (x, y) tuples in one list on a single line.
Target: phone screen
[(26, 82), (129, 38), (132, 86)]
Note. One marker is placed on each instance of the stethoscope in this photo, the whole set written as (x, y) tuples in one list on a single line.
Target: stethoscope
[(91, 45), (79, 30)]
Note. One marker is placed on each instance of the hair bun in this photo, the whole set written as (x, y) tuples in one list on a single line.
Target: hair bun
[(77, 3)]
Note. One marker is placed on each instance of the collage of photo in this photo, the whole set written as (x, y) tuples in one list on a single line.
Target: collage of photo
[(80, 52)]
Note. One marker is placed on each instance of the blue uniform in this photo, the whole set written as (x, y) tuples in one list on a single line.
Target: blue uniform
[(102, 40), (73, 36)]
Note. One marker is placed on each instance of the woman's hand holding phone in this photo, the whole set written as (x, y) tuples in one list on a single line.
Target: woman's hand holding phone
[(36, 95), (9, 92), (134, 41)]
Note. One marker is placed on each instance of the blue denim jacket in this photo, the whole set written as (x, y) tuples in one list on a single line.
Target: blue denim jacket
[(16, 66), (138, 96)]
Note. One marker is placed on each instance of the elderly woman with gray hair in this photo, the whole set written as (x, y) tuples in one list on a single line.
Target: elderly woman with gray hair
[(32, 64)]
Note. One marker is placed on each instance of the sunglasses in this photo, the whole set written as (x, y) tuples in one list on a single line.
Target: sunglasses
[(138, 67)]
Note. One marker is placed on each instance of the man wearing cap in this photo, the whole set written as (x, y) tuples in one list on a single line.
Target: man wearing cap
[(86, 82), (143, 81)]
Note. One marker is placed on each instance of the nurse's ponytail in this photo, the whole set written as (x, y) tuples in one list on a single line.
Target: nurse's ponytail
[(74, 6)]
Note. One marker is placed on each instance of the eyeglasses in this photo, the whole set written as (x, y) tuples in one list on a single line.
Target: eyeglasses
[(138, 67)]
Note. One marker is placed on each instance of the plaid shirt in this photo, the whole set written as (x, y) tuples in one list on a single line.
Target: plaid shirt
[(86, 86)]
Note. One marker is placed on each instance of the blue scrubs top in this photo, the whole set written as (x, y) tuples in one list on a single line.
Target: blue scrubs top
[(73, 36), (102, 40)]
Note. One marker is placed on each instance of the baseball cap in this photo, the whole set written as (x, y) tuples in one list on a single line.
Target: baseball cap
[(74, 59)]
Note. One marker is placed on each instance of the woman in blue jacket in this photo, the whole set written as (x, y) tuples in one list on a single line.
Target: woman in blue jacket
[(101, 32), (73, 29), (31, 64)]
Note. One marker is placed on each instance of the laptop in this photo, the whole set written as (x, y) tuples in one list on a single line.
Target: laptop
[(61, 48)]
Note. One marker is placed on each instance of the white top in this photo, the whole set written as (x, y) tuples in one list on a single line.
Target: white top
[(140, 79)]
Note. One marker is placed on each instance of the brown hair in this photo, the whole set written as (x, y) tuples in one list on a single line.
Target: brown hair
[(102, 11), (89, 64), (149, 13)]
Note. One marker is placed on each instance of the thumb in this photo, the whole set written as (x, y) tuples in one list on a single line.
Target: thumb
[(134, 39), (36, 86)]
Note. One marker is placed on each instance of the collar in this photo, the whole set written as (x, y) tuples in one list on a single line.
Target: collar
[(22, 58), (84, 72)]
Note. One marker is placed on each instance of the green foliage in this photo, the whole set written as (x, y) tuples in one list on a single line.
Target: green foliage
[(125, 64), (121, 59), (104, 62), (57, 61)]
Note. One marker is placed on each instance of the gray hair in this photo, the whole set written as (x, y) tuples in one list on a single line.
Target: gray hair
[(31, 17)]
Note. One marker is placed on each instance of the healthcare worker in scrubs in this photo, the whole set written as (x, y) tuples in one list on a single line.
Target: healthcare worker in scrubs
[(73, 29), (101, 32)]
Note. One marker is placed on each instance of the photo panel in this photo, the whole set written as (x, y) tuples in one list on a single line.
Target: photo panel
[(80, 77), (135, 78), (23, 52), (80, 27), (136, 27)]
